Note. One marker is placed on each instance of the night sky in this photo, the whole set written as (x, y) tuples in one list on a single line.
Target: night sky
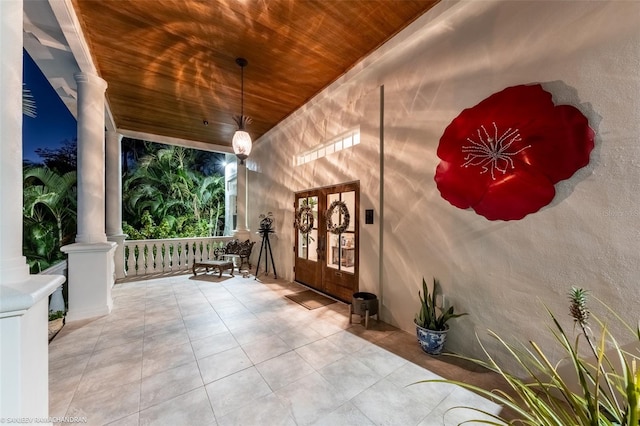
[(53, 124)]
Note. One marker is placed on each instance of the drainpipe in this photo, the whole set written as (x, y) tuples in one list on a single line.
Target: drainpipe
[(381, 209)]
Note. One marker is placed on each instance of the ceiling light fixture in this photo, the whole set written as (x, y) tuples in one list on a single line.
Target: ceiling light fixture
[(241, 139)]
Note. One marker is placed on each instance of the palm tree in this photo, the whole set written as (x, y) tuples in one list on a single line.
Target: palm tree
[(39, 242), (54, 193), (173, 194), (160, 185), (210, 199)]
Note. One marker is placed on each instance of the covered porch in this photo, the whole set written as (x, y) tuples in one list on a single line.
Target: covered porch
[(179, 349), (401, 98)]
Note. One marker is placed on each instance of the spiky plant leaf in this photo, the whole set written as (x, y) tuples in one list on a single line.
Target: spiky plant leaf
[(428, 316)]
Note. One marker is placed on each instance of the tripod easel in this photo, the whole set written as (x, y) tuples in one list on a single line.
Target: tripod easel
[(266, 247)]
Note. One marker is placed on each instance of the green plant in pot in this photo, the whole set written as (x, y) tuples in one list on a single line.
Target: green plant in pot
[(431, 320)]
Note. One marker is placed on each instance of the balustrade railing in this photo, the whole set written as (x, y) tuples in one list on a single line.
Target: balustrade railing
[(143, 257)]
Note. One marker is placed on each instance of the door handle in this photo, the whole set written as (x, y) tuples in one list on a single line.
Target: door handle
[(320, 248)]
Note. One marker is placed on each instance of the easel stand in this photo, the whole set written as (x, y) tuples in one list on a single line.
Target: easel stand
[(266, 247)]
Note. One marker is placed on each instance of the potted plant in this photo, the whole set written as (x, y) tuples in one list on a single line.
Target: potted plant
[(431, 321)]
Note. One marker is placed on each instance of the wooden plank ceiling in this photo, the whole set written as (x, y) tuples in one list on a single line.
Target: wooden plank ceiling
[(170, 64)]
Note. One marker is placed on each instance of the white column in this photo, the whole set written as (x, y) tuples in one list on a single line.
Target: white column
[(13, 265), (113, 163), (24, 352), (242, 231), (91, 159), (91, 262), (113, 173)]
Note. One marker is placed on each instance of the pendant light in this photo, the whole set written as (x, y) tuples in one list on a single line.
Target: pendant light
[(241, 139)]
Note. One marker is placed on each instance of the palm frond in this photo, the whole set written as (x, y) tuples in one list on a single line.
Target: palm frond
[(28, 103)]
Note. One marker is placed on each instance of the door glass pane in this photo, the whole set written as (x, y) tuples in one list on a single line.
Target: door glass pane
[(349, 199), (342, 247), (308, 242)]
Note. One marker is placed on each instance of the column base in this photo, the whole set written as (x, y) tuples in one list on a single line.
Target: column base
[(24, 352), (91, 276)]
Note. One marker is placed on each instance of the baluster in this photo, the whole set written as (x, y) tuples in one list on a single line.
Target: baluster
[(198, 254), (166, 256), (142, 259), (127, 256), (183, 255), (175, 266), (148, 258), (137, 263), (168, 250), (160, 256), (154, 257), (171, 248), (205, 250), (168, 253)]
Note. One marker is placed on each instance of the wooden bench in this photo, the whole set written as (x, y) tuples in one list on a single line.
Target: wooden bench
[(220, 265)]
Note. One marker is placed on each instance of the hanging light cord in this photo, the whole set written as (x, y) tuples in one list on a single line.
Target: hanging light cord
[(241, 90)]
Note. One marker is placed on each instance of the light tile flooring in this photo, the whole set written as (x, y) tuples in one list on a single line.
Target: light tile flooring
[(179, 350)]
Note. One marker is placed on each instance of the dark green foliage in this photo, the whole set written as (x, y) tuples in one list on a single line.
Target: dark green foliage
[(165, 195), (40, 246), (56, 315), (49, 212)]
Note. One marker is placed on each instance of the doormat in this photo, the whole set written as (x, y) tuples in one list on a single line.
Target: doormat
[(310, 299)]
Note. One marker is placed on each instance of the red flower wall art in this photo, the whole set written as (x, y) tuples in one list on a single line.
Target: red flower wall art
[(503, 156)]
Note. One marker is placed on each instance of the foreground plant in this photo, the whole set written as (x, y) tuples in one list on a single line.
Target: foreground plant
[(608, 384)]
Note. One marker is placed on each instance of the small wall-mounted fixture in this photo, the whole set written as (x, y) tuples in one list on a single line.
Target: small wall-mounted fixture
[(368, 216)]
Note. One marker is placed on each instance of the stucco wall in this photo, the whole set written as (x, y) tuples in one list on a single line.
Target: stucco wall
[(586, 54)]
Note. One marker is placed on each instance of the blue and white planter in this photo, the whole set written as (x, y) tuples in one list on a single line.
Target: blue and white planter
[(431, 341)]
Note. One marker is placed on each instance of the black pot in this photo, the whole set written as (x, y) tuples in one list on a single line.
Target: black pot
[(364, 304)]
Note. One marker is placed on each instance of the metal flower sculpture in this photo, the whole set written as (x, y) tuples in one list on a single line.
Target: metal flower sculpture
[(266, 222), (503, 156)]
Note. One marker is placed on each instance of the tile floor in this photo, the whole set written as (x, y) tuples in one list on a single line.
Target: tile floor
[(179, 350)]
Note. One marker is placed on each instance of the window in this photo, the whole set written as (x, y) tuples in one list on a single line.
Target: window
[(344, 141)]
